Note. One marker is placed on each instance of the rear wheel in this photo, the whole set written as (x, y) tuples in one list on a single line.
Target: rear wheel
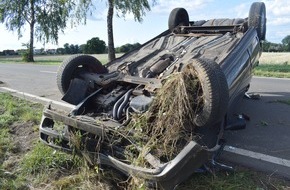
[(178, 17), (257, 19), (73, 66)]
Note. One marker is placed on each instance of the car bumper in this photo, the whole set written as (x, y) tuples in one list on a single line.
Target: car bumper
[(167, 175)]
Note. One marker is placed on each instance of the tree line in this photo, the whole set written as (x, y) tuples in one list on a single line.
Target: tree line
[(277, 47), (93, 46)]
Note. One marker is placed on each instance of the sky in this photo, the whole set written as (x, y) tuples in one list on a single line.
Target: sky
[(126, 30)]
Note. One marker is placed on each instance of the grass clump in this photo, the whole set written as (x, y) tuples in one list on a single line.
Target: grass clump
[(170, 115), (13, 109), (43, 158), (5, 143)]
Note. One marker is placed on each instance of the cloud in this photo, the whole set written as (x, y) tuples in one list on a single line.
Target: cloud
[(278, 12), (278, 7), (242, 10), (279, 21)]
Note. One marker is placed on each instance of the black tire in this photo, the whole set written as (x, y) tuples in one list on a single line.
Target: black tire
[(257, 19), (71, 67), (215, 92), (223, 88), (178, 16)]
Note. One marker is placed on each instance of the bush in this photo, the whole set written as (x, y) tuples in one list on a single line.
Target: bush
[(25, 56)]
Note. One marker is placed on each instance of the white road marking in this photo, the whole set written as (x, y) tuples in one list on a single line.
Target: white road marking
[(231, 149), (50, 72), (258, 156), (38, 98)]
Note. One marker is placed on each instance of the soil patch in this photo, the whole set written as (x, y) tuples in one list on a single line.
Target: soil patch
[(24, 135)]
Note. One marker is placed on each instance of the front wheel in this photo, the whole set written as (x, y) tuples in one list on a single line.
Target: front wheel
[(73, 66), (215, 92)]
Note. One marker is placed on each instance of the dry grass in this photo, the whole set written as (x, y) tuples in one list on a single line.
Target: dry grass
[(168, 125), (275, 58)]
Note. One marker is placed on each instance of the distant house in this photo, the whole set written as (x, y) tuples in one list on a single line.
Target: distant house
[(51, 51), (39, 51), (9, 52)]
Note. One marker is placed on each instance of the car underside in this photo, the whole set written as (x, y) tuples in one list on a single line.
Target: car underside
[(159, 112)]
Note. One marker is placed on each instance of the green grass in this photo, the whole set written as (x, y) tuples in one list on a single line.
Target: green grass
[(19, 167), (41, 60), (12, 110), (273, 70)]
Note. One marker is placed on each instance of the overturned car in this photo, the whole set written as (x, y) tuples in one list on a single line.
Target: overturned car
[(159, 111)]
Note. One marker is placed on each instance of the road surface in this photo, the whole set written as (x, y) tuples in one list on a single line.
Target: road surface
[(264, 144), (39, 80)]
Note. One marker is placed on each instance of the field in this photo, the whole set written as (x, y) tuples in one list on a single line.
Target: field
[(50, 59), (275, 58), (274, 65)]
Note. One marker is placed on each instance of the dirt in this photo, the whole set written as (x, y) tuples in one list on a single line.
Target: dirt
[(24, 135)]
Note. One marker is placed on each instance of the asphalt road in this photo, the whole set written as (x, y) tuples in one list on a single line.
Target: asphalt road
[(39, 80), (267, 136), (268, 130), (265, 143)]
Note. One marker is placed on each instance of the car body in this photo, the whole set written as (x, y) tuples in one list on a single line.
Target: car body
[(226, 50)]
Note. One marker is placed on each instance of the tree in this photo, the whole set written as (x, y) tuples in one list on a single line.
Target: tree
[(67, 49), (266, 45), (60, 51), (82, 48), (70, 49), (286, 43), (127, 47), (46, 18), (95, 45), (122, 7)]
